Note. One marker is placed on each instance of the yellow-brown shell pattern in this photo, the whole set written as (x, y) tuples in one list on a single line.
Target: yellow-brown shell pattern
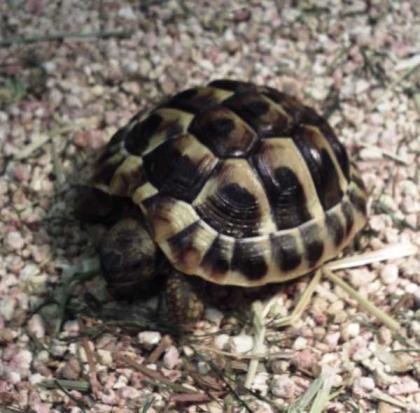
[(240, 184)]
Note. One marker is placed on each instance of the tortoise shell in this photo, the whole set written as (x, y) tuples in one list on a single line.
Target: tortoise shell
[(239, 184)]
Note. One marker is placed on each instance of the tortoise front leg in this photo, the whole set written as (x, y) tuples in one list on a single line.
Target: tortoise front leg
[(185, 302)]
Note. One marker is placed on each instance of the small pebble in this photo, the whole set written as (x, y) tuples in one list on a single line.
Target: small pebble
[(71, 369), (332, 339), (389, 274), (241, 344), (283, 386), (36, 326), (213, 315), (7, 307), (14, 241), (105, 357), (149, 339), (260, 383), (222, 341), (363, 385), (171, 358), (300, 343), (406, 386), (350, 330)]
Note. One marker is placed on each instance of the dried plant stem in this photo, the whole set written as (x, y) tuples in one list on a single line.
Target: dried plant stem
[(302, 303), (389, 252), (323, 395), (154, 375), (362, 301), (283, 355), (386, 153), (94, 383), (121, 34), (393, 84), (259, 337)]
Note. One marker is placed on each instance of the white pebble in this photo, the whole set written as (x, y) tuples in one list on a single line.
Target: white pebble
[(300, 343), (58, 348), (332, 339), (283, 386), (370, 154), (260, 383), (361, 354), (389, 274), (241, 343), (127, 13), (7, 307), (36, 326), (203, 368), (363, 384), (213, 315), (406, 386), (121, 383), (28, 271), (36, 378), (105, 357), (13, 377), (171, 358), (15, 241), (222, 341), (360, 277), (149, 339), (350, 330)]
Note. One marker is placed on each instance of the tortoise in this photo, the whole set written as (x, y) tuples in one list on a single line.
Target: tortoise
[(235, 183)]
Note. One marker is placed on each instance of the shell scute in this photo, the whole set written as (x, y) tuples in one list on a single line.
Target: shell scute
[(226, 134)]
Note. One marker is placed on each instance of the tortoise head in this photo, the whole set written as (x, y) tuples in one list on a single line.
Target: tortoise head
[(129, 259)]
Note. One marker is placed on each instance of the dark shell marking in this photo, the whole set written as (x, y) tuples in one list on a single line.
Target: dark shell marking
[(285, 252), (239, 184)]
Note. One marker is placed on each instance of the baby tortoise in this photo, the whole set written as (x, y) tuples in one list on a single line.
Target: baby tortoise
[(238, 184)]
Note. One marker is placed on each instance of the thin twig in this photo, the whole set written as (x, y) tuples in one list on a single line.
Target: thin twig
[(94, 383), (13, 41), (42, 140), (154, 375), (363, 302), (225, 380), (378, 395), (385, 153), (393, 84)]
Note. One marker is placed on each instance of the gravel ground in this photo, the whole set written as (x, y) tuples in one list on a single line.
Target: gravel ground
[(65, 346)]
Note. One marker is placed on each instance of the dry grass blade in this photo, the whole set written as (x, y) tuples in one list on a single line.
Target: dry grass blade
[(363, 302), (260, 329), (384, 152), (79, 385), (302, 303), (40, 140), (387, 253), (377, 394), (65, 35), (395, 83), (260, 356), (322, 398), (303, 402)]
